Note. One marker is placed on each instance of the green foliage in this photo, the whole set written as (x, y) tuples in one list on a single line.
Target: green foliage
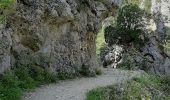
[(28, 74), (98, 94), (145, 87), (5, 4), (100, 41), (165, 81), (148, 4), (111, 35), (130, 23), (9, 87), (34, 67), (129, 26), (5, 7), (12, 83), (136, 2)]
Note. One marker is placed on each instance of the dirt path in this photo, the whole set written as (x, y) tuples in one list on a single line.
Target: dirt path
[(76, 89)]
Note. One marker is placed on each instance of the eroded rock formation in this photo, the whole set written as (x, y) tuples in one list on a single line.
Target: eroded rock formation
[(57, 34), (152, 56)]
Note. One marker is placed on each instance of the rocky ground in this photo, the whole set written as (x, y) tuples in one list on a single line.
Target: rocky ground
[(76, 89)]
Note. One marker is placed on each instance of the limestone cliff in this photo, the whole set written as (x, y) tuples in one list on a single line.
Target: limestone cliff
[(152, 56), (56, 34)]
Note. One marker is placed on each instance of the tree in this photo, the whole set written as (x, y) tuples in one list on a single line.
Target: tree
[(129, 26)]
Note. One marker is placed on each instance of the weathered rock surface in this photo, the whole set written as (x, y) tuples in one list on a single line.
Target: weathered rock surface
[(5, 46), (60, 33), (152, 56)]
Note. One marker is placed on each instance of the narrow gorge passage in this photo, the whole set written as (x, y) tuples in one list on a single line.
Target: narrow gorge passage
[(76, 89)]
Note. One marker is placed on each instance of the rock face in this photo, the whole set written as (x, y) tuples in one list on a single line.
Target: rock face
[(151, 57), (113, 56), (57, 34), (5, 46), (60, 35)]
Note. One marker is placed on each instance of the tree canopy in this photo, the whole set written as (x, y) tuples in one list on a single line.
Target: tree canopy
[(129, 26)]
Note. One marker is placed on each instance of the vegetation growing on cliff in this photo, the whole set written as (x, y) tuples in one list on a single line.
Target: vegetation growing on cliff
[(146, 4), (5, 8), (136, 2), (5, 4), (129, 26)]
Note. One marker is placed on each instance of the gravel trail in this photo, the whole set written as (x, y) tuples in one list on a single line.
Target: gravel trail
[(76, 89)]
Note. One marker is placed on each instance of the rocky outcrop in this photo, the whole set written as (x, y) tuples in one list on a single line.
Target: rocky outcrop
[(56, 34), (152, 56)]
